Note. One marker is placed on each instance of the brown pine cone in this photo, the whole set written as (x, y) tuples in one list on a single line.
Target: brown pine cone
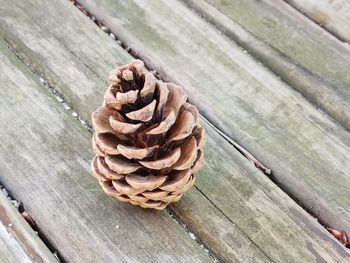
[(148, 140)]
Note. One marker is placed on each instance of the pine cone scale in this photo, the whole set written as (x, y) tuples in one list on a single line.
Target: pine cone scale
[(144, 114), (165, 125), (121, 165), (188, 155), (183, 126), (149, 86), (148, 183), (125, 189), (177, 181), (107, 143), (131, 152), (118, 124), (104, 169), (163, 162)]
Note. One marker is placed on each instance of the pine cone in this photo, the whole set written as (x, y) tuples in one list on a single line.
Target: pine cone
[(147, 140)]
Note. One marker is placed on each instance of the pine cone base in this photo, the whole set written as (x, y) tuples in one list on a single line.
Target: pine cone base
[(148, 141)]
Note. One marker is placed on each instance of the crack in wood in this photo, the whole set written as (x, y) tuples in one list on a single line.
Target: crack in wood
[(319, 23), (304, 81), (238, 147), (295, 75), (61, 99), (12, 228)]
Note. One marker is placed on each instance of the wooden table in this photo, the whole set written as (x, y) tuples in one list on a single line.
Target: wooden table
[(271, 80)]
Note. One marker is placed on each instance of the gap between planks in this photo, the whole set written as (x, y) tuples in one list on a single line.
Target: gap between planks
[(21, 241), (276, 61), (217, 135), (272, 176), (35, 77), (265, 170), (128, 48), (60, 98), (21, 207), (312, 19), (239, 148)]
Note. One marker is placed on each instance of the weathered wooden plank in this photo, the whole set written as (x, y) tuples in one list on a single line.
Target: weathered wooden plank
[(232, 235), (332, 15), (45, 158), (255, 207), (307, 151), (18, 242), (82, 205), (237, 220), (53, 42), (332, 99)]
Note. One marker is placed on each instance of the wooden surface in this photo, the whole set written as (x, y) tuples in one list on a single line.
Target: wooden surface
[(57, 187), (224, 218), (237, 212), (295, 36), (18, 241), (285, 54), (334, 16), (307, 151)]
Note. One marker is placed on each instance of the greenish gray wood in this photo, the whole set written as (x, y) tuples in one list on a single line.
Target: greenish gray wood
[(18, 241), (328, 96), (332, 15), (68, 204), (46, 43), (235, 210), (294, 35), (254, 206), (45, 162), (307, 151)]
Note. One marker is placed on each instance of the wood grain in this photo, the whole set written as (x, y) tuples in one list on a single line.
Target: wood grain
[(295, 36), (68, 204), (332, 98), (307, 151), (45, 162), (18, 241), (235, 226), (255, 207), (48, 49), (332, 15)]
